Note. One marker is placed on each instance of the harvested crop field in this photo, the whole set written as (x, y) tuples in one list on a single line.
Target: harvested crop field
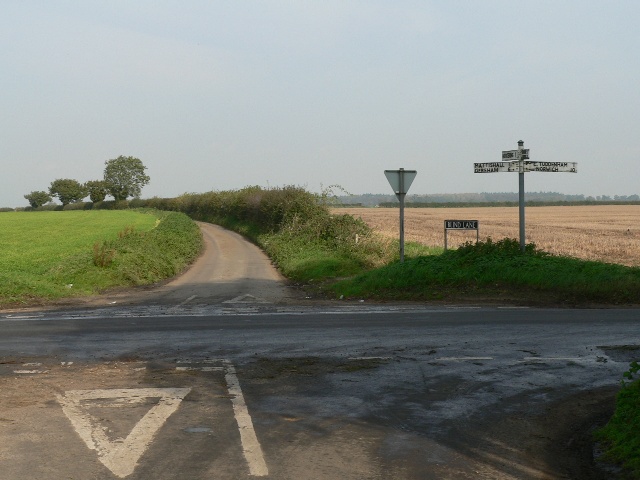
[(609, 233)]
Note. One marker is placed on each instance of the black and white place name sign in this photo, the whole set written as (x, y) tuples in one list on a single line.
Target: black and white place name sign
[(461, 224)]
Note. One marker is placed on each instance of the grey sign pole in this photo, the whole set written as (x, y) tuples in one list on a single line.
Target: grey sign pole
[(518, 161), (400, 180), (521, 194), (401, 198)]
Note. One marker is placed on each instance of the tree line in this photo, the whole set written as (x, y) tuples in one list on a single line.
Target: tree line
[(372, 199), (123, 177)]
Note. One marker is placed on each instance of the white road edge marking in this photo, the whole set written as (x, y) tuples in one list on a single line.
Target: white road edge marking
[(458, 359), (250, 445), (552, 359), (369, 358), (121, 455), (201, 369)]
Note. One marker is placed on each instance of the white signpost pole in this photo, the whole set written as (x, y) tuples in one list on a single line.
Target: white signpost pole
[(400, 180)]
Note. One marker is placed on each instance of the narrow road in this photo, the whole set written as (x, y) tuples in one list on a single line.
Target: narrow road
[(229, 267)]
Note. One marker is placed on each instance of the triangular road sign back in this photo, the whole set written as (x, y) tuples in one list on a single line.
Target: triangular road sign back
[(120, 455), (400, 180)]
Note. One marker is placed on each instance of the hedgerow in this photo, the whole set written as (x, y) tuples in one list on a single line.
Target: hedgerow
[(293, 226)]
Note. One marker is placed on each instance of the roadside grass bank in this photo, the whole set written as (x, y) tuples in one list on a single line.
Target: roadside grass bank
[(346, 258), (497, 269), (51, 255), (621, 436), (293, 226)]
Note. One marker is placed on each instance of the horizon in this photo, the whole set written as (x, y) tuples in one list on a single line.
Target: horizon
[(409, 196)]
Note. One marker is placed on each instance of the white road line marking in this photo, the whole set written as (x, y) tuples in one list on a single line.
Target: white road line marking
[(246, 298), (29, 372), (120, 455), (250, 445), (200, 369), (552, 359), (369, 358), (183, 302), (32, 364), (459, 359)]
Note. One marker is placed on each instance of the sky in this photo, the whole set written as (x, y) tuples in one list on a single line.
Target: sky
[(219, 95)]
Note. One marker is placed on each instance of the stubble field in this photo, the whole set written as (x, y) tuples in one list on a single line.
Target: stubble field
[(608, 233)]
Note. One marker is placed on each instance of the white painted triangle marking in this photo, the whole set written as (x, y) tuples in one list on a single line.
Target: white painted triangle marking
[(246, 298), (120, 455)]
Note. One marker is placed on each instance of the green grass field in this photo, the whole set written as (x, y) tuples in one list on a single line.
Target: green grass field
[(50, 255)]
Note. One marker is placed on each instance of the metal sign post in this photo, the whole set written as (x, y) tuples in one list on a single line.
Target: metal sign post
[(517, 161), (400, 180), (521, 192)]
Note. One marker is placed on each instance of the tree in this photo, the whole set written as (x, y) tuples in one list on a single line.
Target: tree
[(125, 177), (67, 190), (38, 198), (97, 190)]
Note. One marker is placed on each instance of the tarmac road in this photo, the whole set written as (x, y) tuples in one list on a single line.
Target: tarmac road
[(364, 393), (244, 384)]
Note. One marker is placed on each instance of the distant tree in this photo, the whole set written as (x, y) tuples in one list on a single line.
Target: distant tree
[(38, 198), (124, 177), (97, 190), (67, 190)]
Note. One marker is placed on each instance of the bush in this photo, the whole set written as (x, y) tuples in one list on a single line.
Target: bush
[(148, 257), (621, 435), (78, 206), (293, 226), (37, 198), (496, 269)]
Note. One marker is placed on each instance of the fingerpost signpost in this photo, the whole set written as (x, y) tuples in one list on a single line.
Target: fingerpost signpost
[(400, 180), (518, 161)]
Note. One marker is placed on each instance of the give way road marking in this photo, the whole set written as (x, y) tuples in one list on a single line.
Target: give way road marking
[(122, 454)]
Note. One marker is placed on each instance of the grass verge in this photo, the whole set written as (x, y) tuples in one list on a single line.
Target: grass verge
[(621, 436), (51, 255), (497, 268)]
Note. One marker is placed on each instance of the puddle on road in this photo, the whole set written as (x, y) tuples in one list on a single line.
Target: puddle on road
[(622, 353)]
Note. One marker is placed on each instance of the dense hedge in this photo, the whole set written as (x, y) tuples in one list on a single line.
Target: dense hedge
[(294, 227)]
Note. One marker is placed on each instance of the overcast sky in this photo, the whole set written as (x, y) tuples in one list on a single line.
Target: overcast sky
[(218, 95)]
